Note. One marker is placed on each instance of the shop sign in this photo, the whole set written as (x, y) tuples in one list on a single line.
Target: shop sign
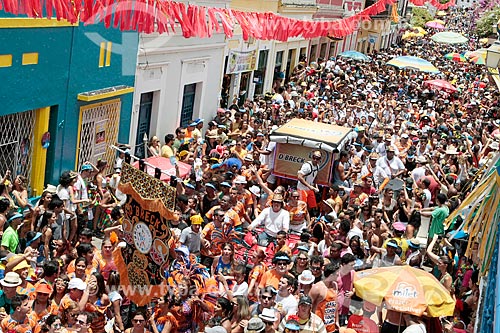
[(239, 62)]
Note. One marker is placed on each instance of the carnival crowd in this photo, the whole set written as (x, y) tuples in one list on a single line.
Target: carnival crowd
[(413, 156)]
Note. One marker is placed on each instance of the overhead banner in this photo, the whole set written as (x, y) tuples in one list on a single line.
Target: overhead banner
[(239, 62), (288, 160), (144, 259)]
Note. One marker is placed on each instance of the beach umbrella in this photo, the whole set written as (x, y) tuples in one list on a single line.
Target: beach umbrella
[(449, 37), (437, 21), (435, 25), (467, 54), (441, 85), (478, 60), (419, 30), (415, 63), (455, 57), (478, 57), (484, 40), (404, 289), (411, 34), (355, 55)]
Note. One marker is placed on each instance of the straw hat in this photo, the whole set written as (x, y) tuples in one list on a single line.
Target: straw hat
[(277, 197)]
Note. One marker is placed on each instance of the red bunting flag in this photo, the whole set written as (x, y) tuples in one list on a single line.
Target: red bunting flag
[(195, 21)]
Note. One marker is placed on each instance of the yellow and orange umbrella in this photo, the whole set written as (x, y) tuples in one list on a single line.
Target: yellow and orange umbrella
[(404, 289), (437, 21)]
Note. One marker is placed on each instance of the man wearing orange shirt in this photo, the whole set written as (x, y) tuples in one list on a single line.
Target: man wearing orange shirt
[(18, 321), (238, 206), (209, 247), (244, 195), (86, 251), (272, 277), (281, 246), (231, 216)]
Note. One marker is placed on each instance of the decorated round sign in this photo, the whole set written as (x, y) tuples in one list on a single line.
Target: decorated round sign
[(143, 239)]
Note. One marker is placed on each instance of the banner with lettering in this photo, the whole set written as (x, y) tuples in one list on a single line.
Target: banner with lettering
[(289, 158), (148, 240), (239, 62)]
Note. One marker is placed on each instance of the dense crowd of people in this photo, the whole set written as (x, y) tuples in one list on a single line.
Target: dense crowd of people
[(414, 155)]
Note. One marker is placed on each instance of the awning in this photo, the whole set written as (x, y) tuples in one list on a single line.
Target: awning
[(95, 95), (312, 134)]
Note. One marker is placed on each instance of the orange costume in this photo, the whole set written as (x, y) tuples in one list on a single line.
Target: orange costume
[(29, 325), (297, 216), (270, 278), (256, 274), (53, 308), (161, 320), (327, 310), (231, 216)]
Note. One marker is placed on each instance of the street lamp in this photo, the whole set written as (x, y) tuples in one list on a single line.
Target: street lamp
[(493, 55), (493, 52)]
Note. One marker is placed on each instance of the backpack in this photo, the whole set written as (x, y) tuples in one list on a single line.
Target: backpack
[(312, 169)]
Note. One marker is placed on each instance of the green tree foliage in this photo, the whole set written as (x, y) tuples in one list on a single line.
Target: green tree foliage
[(484, 26), (420, 16)]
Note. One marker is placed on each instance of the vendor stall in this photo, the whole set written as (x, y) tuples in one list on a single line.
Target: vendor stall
[(298, 138)]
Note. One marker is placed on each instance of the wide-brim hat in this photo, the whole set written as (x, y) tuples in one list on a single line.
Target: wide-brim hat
[(451, 151), (44, 288), (212, 134), (277, 197), (50, 189), (22, 265), (240, 180), (330, 203), (11, 279), (399, 226), (255, 325), (306, 277), (268, 315), (255, 190), (421, 160), (414, 243)]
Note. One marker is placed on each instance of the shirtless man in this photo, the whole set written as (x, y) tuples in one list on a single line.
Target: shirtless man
[(324, 298)]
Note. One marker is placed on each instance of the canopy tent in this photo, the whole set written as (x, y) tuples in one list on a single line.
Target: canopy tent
[(298, 138), (480, 212), (312, 134)]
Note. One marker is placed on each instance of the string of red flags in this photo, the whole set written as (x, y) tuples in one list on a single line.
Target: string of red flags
[(165, 16)]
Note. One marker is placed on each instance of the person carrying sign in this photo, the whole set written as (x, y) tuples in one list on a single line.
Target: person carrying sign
[(306, 180)]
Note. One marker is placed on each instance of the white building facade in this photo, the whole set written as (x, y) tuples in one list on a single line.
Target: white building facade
[(177, 80)]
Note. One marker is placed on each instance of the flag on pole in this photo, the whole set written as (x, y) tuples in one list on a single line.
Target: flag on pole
[(394, 13)]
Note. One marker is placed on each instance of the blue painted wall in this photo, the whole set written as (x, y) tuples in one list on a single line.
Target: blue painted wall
[(68, 65)]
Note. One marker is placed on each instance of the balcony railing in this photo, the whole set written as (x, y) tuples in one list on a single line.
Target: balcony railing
[(298, 3), (385, 14)]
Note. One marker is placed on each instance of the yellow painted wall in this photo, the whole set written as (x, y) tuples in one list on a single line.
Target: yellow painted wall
[(39, 153), (378, 28), (258, 5)]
